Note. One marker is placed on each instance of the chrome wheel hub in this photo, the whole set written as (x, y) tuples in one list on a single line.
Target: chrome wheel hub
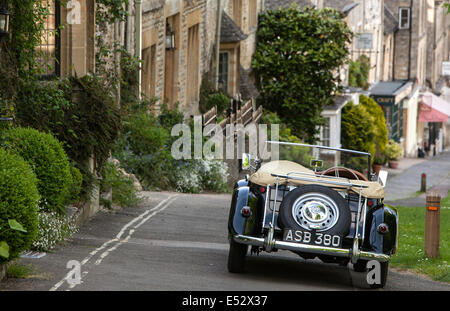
[(315, 211)]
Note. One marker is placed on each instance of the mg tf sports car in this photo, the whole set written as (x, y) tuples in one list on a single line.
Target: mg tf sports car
[(315, 201)]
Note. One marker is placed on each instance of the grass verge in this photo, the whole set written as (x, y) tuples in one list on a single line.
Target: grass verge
[(411, 254), (18, 271)]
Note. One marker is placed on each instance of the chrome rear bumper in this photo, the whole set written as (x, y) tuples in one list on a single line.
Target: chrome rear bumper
[(313, 249)]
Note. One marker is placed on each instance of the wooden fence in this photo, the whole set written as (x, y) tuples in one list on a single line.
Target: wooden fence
[(237, 114)]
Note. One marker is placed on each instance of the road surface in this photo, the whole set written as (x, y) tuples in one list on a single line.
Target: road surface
[(179, 242)]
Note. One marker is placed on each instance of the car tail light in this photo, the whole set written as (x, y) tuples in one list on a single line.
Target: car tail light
[(246, 211), (383, 228)]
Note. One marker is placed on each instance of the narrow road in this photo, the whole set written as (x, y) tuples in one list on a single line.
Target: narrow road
[(179, 242), (406, 184)]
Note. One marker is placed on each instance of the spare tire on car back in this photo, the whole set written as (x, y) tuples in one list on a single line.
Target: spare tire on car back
[(315, 207)]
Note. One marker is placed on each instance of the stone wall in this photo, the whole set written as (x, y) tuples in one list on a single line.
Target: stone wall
[(437, 45)]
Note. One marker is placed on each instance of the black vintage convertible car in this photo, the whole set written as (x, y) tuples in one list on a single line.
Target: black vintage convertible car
[(316, 202)]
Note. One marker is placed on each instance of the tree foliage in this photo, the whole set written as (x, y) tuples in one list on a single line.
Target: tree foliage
[(297, 58), (359, 72)]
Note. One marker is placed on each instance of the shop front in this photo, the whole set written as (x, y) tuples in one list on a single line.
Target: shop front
[(434, 115), (394, 97)]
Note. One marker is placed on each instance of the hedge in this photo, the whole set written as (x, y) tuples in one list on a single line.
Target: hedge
[(46, 156), (19, 199)]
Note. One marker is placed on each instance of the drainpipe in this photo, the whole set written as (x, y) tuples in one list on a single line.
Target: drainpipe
[(138, 39), (410, 41), (218, 25)]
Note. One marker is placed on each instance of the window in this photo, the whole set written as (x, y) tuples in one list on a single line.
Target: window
[(149, 71), (404, 18), (237, 12), (326, 137), (193, 65), (49, 56), (253, 14), (223, 71)]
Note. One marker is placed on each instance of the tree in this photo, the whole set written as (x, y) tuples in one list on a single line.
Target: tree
[(298, 54)]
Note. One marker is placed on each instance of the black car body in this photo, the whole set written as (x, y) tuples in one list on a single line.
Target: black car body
[(336, 214)]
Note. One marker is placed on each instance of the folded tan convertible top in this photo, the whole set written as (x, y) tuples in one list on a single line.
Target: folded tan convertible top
[(264, 177)]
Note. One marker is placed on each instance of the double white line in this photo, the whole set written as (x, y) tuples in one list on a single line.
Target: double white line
[(117, 240)]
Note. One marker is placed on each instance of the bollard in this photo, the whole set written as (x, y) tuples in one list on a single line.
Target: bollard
[(432, 225), (423, 184)]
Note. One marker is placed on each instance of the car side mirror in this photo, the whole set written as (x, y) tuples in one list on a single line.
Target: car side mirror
[(246, 162), (382, 178)]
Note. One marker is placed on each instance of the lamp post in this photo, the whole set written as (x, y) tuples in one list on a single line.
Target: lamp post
[(4, 19), (170, 37)]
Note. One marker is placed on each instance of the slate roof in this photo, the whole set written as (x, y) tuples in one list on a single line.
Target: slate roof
[(276, 4), (339, 103), (341, 5), (246, 86), (229, 31), (389, 87), (390, 22)]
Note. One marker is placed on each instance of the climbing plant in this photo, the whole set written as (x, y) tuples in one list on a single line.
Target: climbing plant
[(19, 56), (359, 72)]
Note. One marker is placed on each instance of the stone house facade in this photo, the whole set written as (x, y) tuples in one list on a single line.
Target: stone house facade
[(438, 25)]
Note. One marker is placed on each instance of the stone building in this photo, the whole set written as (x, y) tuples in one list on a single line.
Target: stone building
[(438, 25), (420, 42), (173, 74), (366, 19)]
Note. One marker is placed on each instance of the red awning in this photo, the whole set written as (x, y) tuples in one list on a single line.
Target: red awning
[(433, 109)]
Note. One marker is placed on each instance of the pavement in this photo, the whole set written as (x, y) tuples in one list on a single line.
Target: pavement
[(404, 183), (179, 242)]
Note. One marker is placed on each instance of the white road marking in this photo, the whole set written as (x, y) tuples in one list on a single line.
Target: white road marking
[(182, 244), (119, 235), (130, 233)]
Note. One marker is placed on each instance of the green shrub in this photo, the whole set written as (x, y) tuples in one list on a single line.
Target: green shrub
[(364, 128), (219, 100), (170, 117), (79, 112), (19, 199), (75, 185), (49, 162), (52, 229), (123, 191), (144, 149), (394, 150), (357, 130), (379, 125)]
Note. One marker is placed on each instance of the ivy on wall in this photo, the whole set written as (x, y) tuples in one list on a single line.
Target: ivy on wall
[(359, 72), (18, 56)]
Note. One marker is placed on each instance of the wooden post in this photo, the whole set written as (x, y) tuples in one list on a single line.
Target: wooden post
[(423, 183), (432, 225)]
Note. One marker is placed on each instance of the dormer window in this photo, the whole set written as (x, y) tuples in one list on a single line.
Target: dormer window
[(404, 18)]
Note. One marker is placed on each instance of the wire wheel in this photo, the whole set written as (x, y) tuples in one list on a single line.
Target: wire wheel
[(315, 211)]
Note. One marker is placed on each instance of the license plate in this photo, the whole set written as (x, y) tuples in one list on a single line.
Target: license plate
[(312, 238)]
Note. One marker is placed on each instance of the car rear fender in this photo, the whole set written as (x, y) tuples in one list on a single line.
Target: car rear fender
[(382, 243), (237, 223)]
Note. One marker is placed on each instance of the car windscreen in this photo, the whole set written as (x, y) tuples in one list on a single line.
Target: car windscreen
[(319, 158)]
